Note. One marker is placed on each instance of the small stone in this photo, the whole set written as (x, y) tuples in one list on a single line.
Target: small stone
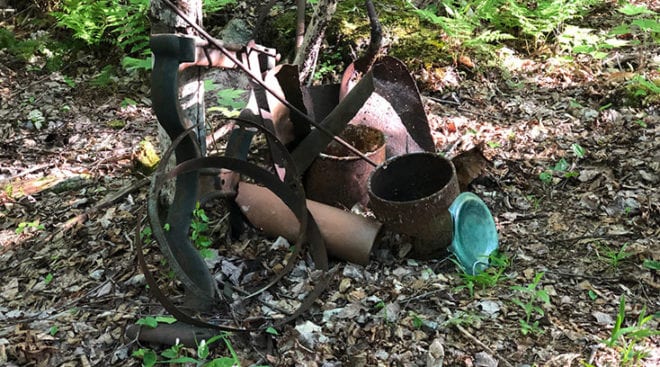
[(136, 280), (483, 359), (436, 354), (344, 285), (97, 274)]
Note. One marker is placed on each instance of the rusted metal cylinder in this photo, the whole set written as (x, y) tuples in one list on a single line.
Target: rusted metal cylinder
[(338, 177), (411, 194), (347, 236)]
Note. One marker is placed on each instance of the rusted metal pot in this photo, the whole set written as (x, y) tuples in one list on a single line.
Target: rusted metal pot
[(338, 177), (347, 236), (411, 194)]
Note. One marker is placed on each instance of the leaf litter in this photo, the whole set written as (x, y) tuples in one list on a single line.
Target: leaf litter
[(589, 228)]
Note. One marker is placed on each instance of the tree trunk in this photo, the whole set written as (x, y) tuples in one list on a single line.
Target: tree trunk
[(307, 54), (191, 80)]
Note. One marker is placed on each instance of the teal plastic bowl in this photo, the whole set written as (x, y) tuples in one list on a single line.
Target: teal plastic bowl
[(475, 234)]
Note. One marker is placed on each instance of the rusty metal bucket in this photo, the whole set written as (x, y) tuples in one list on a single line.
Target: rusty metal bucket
[(338, 177), (411, 194)]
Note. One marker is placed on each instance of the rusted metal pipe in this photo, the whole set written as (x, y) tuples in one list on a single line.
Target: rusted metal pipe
[(170, 334), (347, 236)]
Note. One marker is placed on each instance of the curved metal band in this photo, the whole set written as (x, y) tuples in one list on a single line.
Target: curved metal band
[(279, 188), (290, 192)]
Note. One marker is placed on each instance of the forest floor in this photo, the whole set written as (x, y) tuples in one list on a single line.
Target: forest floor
[(573, 183)]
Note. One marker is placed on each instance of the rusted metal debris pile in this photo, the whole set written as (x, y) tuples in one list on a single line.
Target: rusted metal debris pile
[(364, 141)]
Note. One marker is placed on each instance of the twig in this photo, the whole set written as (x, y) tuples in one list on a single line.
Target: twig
[(445, 101), (27, 171), (482, 345), (584, 276)]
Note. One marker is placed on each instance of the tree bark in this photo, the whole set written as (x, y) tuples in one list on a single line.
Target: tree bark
[(191, 80), (307, 54), (300, 23)]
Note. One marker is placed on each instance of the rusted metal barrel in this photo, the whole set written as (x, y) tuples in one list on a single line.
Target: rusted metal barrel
[(411, 194), (338, 177)]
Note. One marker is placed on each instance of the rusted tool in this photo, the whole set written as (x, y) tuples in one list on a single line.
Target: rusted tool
[(363, 64), (169, 52), (396, 107)]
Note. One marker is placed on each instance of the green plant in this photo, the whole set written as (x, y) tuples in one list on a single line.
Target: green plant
[(643, 29), (153, 321), (625, 339), (48, 278), (487, 278), (463, 318), (578, 150), (147, 356), (212, 6), (145, 234), (39, 51), (417, 320), (615, 256), (105, 77), (176, 354), (123, 24), (230, 101), (546, 177), (536, 202), (651, 264), (580, 40), (648, 28), (37, 118), (562, 167), (52, 331), (640, 87), (24, 226), (126, 102), (199, 226), (22, 49), (530, 305), (329, 68), (463, 25), (477, 24)]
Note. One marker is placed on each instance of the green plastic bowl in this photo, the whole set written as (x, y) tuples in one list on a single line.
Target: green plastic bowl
[(475, 235)]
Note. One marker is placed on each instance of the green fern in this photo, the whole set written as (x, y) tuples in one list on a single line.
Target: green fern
[(121, 23), (212, 6), (463, 27), (489, 36), (87, 19), (477, 24)]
